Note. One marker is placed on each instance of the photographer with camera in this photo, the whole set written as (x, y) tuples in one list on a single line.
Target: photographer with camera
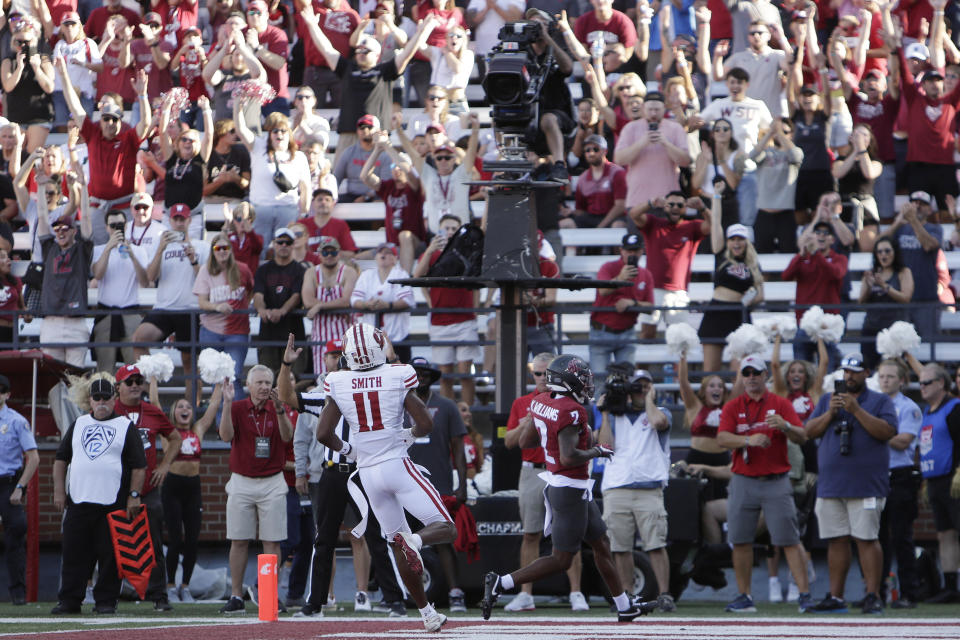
[(854, 425), (633, 479), (611, 332)]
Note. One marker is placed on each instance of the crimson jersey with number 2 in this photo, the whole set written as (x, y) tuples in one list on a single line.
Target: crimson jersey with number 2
[(372, 404), (551, 414)]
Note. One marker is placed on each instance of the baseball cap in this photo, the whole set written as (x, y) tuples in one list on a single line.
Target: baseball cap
[(284, 232), (102, 385), (152, 17), (70, 16), (320, 190), (921, 196), (66, 220), (852, 362), (369, 120), (631, 241), (333, 346), (598, 140), (389, 246), (447, 145), (641, 374), (932, 74), (753, 361), (436, 125), (876, 73), (4, 383), (257, 4), (684, 41), (126, 371), (533, 12), (193, 29), (328, 241), (738, 231), (179, 211), (110, 109), (141, 198), (653, 96), (370, 43), (917, 51), (808, 90)]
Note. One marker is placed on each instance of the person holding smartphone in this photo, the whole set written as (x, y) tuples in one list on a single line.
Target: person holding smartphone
[(611, 334)]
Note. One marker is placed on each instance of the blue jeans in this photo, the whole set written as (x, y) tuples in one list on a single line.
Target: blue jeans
[(603, 344), (747, 199), (62, 112), (806, 349), (885, 189), (299, 544), (236, 347), (270, 218)]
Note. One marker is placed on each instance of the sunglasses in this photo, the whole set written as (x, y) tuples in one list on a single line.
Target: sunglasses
[(365, 126), (436, 97), (443, 158), (62, 229), (757, 33), (750, 372), (591, 149), (101, 397), (222, 248), (299, 234), (51, 194), (132, 381), (329, 252), (110, 118), (625, 88), (280, 131), (822, 232), (721, 129), (117, 226), (190, 140), (927, 383), (285, 243), (254, 12), (303, 96), (154, 25), (538, 374), (675, 205)]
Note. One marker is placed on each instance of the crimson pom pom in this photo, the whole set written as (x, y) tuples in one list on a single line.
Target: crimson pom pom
[(179, 99)]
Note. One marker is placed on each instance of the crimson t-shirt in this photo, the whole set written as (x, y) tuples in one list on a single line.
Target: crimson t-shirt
[(641, 291), (588, 27), (448, 298), (745, 416), (246, 250), (518, 410), (10, 295), (177, 18), (113, 79), (249, 423), (597, 197), (404, 210), (150, 421), (819, 279), (112, 162), (335, 228), (552, 414), (881, 118), (929, 122), (97, 21), (670, 251), (337, 24), (158, 80), (275, 40)]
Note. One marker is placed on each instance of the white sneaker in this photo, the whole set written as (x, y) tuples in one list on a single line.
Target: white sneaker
[(331, 603), (88, 597), (361, 602), (183, 593), (793, 592), (173, 594), (523, 601), (434, 620), (578, 602), (776, 593)]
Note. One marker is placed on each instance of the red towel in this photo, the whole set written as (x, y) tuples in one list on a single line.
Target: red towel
[(467, 540)]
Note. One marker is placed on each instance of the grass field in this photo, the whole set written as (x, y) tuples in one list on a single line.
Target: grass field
[(34, 617)]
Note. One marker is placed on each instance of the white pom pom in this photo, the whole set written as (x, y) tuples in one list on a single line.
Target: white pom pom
[(873, 383), (214, 366), (158, 366), (682, 338), (897, 339), (784, 325), (826, 326), (745, 340)]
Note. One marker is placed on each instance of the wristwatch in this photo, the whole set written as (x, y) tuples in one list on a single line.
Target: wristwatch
[(135, 494), (21, 487)]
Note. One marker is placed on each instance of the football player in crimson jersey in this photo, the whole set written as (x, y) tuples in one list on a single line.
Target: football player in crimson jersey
[(558, 422), (372, 397)]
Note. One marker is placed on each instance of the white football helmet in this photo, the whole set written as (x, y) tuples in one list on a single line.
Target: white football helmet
[(364, 347)]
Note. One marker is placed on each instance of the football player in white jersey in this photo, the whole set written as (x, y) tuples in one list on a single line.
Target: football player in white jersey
[(372, 396)]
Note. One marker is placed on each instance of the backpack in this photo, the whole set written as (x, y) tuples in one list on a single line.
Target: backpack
[(463, 255)]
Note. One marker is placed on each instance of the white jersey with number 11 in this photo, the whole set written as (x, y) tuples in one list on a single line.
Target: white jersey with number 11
[(372, 404)]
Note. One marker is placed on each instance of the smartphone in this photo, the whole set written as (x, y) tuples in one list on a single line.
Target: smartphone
[(632, 261), (839, 386), (178, 236), (653, 126)]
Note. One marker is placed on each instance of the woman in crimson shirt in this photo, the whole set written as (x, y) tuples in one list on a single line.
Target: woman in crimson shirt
[(11, 297)]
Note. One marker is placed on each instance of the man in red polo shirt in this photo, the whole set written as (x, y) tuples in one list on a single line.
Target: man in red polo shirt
[(150, 421), (601, 190), (611, 332), (258, 431), (532, 507), (322, 223), (337, 20), (112, 151), (756, 426), (672, 243)]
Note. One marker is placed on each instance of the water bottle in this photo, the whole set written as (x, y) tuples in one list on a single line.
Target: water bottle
[(668, 373), (893, 591)]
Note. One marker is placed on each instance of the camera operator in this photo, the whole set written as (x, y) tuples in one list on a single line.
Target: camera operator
[(633, 480), (555, 103), (854, 425)]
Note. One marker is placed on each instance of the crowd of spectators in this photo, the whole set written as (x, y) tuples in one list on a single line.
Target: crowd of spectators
[(766, 128)]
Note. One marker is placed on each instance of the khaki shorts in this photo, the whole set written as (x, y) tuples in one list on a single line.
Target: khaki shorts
[(627, 512), (532, 508), (256, 500), (459, 332), (849, 517)]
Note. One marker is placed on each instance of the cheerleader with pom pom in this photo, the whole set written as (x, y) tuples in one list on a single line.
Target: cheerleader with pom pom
[(888, 282), (737, 280), (181, 488)]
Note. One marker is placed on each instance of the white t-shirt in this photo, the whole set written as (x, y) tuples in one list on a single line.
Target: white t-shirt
[(82, 51), (175, 283), (119, 286), (487, 32), (445, 194), (262, 189), (372, 404), (369, 286), (443, 76), (748, 117)]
